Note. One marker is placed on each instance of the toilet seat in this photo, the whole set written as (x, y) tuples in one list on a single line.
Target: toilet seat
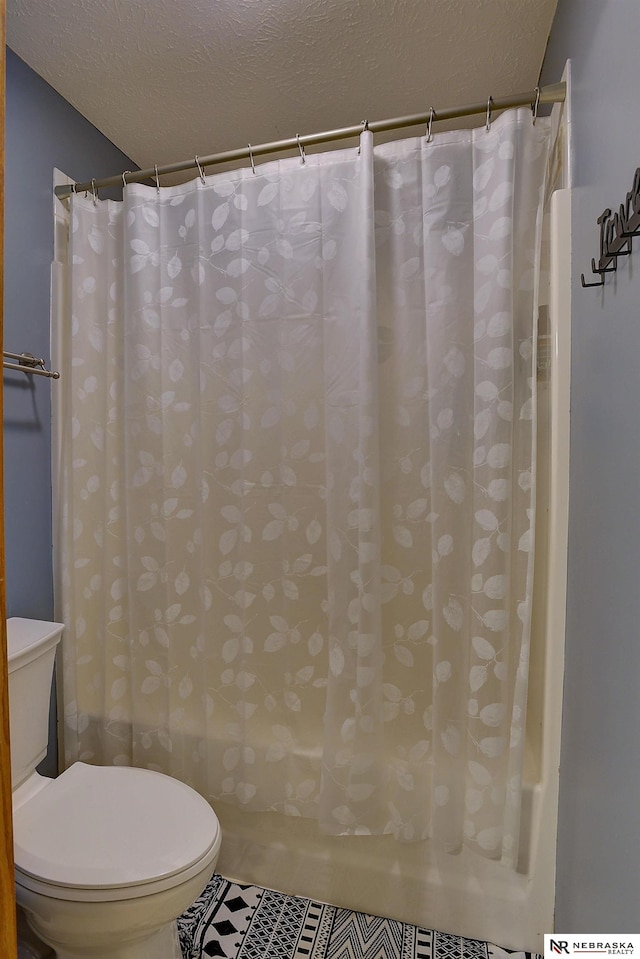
[(107, 833)]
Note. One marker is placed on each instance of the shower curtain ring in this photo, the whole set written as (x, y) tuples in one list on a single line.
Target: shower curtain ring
[(253, 166), (200, 170), (155, 170), (94, 192), (303, 156), (535, 105), (365, 129), (124, 178), (432, 114), (489, 102)]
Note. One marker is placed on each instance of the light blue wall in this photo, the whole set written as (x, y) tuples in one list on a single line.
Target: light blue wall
[(598, 877), (43, 131)]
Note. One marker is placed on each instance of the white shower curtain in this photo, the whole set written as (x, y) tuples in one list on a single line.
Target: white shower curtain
[(297, 473)]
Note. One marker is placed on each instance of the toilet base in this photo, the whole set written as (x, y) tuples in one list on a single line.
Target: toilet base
[(30, 946), (163, 944)]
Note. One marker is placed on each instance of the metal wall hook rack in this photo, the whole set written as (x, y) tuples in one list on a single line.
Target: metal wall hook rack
[(617, 231), (27, 363)]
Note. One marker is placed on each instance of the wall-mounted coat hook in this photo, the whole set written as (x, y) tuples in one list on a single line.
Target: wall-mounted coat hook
[(616, 233), (600, 282)]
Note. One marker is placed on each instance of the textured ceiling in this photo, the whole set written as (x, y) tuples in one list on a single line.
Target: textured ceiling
[(168, 79)]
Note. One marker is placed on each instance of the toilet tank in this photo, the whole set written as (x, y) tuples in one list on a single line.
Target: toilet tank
[(31, 650)]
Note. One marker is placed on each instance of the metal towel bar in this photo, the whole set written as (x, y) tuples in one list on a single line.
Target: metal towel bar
[(27, 363)]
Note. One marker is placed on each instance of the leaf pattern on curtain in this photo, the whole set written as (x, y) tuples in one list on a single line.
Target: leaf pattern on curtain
[(298, 464)]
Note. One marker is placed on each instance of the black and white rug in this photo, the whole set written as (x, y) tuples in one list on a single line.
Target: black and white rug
[(247, 922)]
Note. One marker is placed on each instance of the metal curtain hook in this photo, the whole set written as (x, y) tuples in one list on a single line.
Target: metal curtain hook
[(200, 170), (365, 129), (303, 156), (489, 102), (124, 178), (94, 192), (155, 170), (432, 114), (535, 105), (253, 166)]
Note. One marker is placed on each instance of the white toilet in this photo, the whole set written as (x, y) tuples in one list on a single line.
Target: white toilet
[(106, 858)]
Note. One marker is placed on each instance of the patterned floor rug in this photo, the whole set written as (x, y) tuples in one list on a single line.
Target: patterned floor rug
[(248, 922)]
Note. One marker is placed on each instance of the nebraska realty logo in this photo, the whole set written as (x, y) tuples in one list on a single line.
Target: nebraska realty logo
[(560, 945)]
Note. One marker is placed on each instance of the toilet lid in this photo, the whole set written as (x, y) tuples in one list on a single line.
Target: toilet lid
[(100, 827)]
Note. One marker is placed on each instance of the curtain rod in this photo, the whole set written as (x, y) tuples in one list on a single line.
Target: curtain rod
[(555, 93)]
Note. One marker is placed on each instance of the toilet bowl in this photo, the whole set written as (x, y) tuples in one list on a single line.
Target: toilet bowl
[(106, 858)]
